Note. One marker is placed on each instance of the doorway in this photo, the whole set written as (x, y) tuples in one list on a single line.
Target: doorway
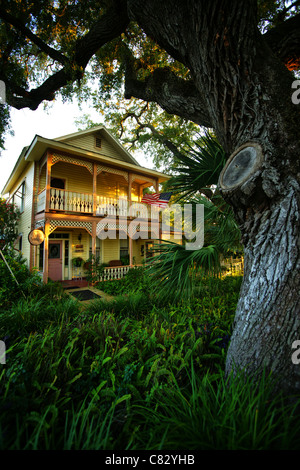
[(55, 260)]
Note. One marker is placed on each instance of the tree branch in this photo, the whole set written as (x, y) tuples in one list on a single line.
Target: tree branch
[(110, 25), (158, 135), (284, 40), (173, 94), (53, 53)]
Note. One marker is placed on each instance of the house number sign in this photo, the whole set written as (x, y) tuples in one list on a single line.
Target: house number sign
[(36, 237)]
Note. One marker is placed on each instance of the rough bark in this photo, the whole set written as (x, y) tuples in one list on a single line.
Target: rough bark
[(246, 90), (173, 94)]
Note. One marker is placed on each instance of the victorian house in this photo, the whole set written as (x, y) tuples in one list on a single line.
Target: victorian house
[(80, 191)]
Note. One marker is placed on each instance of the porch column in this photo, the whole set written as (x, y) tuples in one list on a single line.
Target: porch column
[(94, 235), (129, 188), (130, 251), (48, 181), (129, 204), (94, 188), (32, 261), (46, 251), (159, 216)]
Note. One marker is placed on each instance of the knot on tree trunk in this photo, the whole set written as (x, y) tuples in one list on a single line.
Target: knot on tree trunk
[(240, 181)]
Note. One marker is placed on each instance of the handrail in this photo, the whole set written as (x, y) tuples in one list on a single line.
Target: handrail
[(74, 201)]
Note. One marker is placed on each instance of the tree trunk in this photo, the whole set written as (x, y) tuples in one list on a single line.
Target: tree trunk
[(267, 320), (247, 95)]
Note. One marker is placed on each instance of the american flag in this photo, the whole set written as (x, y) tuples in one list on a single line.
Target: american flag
[(160, 200)]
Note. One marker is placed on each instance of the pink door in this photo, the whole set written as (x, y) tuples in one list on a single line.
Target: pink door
[(55, 260)]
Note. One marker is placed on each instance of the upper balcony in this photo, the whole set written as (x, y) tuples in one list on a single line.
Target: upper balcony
[(80, 187), (84, 203)]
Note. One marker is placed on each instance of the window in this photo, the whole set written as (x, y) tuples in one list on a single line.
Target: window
[(98, 248), (54, 251), (124, 250), (57, 183), (59, 235), (66, 253), (41, 257), (20, 241), (98, 142), (19, 197)]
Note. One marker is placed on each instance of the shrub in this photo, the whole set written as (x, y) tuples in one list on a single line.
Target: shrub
[(135, 280)]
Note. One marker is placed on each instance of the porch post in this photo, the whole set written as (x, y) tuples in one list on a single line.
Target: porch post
[(94, 188), (48, 181), (46, 251), (129, 204), (130, 252), (159, 217), (94, 234), (129, 187), (32, 262)]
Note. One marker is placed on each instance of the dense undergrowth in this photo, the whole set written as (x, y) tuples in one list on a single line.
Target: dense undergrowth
[(132, 373)]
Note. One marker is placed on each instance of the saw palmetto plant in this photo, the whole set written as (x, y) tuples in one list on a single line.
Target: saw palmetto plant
[(175, 269)]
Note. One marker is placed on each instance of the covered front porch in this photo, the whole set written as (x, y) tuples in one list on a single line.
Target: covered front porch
[(69, 246)]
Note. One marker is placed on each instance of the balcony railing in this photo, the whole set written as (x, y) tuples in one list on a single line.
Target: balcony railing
[(41, 201), (72, 201)]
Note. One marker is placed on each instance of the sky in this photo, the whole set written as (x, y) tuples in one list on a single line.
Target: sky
[(56, 121)]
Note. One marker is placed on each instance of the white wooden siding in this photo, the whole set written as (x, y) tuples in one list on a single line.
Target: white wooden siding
[(24, 225), (88, 142), (77, 178)]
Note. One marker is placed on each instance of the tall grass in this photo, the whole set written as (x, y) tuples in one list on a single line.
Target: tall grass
[(214, 413), (131, 374)]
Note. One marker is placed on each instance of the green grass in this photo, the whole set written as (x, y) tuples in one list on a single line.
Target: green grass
[(133, 373)]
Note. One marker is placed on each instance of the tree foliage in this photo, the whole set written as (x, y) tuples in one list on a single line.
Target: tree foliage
[(96, 50), (9, 215)]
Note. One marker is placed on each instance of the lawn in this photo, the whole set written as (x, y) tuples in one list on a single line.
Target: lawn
[(134, 373)]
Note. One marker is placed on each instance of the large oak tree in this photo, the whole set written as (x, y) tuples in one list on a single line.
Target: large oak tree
[(208, 62)]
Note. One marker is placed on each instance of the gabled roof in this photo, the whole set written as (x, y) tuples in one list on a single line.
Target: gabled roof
[(106, 134), (39, 145)]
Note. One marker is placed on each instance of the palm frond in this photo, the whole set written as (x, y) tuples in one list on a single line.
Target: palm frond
[(198, 168), (174, 269)]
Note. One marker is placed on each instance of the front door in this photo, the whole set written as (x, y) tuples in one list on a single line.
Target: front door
[(55, 260)]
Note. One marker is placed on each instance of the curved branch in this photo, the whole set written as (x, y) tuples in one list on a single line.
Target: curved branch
[(110, 25), (173, 94), (155, 133), (53, 53)]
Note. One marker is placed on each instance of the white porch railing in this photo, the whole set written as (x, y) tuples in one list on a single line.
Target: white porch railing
[(114, 273), (111, 206), (41, 201), (72, 201)]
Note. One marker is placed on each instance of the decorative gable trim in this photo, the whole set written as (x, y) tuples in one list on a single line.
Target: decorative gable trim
[(53, 224), (56, 157), (112, 170)]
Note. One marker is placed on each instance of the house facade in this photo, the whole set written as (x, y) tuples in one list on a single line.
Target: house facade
[(83, 191)]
